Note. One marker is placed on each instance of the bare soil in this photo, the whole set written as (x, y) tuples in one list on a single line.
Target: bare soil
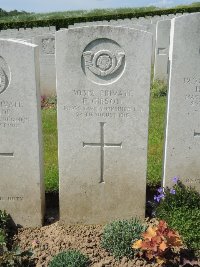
[(49, 240)]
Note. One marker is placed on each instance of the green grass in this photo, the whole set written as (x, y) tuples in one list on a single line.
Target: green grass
[(156, 140), (155, 149), (49, 119)]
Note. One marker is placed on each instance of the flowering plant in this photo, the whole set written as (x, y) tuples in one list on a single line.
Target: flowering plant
[(180, 208), (157, 240), (161, 192)]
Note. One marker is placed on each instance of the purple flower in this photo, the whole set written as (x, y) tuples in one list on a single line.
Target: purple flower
[(160, 190), (172, 191), (175, 179), (159, 197)]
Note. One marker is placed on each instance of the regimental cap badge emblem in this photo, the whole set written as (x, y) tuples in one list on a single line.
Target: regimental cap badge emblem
[(103, 61), (4, 75)]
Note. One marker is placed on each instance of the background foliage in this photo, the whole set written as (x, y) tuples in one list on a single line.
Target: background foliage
[(63, 19)]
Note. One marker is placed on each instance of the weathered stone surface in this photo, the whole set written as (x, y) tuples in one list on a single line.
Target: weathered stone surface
[(27, 33), (182, 145), (103, 84), (144, 26), (154, 19), (21, 184), (46, 45), (162, 50)]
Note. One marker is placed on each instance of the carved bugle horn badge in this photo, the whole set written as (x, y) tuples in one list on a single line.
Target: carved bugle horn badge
[(103, 62), (3, 80)]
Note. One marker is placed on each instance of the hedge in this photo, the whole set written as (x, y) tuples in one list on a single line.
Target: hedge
[(65, 22)]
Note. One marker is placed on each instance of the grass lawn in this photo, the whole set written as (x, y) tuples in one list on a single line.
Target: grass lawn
[(156, 140), (155, 150), (50, 139)]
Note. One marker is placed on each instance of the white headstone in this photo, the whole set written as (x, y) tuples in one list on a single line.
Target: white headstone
[(46, 45), (103, 84), (126, 20), (21, 177), (163, 17), (3, 33), (155, 19), (114, 22), (182, 146), (144, 21), (69, 27), (134, 20), (171, 16), (52, 29), (162, 50)]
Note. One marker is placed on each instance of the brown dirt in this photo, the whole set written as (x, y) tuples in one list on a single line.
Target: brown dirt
[(49, 240)]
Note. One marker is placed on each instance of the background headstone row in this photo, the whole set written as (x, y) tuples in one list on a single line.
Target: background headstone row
[(103, 85), (44, 37)]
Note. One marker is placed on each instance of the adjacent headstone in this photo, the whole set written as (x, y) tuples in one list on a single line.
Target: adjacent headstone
[(46, 45), (21, 178), (154, 19), (182, 146), (144, 21), (27, 33), (134, 20), (162, 50), (103, 84), (171, 16)]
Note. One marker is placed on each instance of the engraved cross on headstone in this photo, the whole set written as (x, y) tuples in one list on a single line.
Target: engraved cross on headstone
[(6, 154), (102, 144), (196, 134), (162, 51)]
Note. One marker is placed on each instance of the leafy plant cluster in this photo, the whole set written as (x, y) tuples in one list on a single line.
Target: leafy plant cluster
[(16, 258), (158, 240), (3, 219), (13, 257), (3, 227), (65, 22), (158, 89), (48, 102), (118, 237), (180, 208), (2, 237), (70, 258)]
